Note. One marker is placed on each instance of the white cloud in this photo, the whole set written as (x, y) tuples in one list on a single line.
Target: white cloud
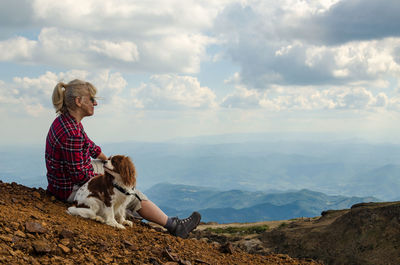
[(32, 96), (151, 36), (307, 98), (173, 92), (67, 48), (242, 98), (124, 51), (270, 52), (17, 49)]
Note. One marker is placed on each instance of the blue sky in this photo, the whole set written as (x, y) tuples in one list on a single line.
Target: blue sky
[(168, 69)]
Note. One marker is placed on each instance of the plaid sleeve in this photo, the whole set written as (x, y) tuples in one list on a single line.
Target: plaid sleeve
[(75, 159), (94, 150)]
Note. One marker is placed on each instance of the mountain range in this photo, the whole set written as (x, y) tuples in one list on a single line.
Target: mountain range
[(256, 162), (245, 206)]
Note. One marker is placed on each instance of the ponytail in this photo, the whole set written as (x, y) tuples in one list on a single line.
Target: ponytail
[(59, 98), (64, 94)]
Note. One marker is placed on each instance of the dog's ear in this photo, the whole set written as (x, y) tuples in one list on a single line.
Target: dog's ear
[(128, 171)]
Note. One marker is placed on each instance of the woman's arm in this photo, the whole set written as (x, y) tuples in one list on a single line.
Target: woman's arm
[(102, 156), (74, 159)]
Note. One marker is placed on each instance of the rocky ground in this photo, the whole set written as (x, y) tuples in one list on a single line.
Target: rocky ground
[(366, 234), (35, 229)]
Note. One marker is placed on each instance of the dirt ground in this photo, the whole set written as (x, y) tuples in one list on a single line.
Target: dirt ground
[(35, 229)]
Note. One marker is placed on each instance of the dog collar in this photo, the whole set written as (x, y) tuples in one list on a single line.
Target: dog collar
[(124, 191)]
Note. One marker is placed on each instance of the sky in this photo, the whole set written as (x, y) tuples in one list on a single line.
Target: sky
[(166, 69)]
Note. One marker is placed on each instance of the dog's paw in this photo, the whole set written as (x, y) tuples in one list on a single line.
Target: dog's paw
[(116, 225), (120, 226), (99, 219), (128, 223), (71, 210)]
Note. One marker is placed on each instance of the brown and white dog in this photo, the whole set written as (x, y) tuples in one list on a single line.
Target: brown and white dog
[(104, 197)]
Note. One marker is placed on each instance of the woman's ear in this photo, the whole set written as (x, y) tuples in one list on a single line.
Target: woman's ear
[(78, 101)]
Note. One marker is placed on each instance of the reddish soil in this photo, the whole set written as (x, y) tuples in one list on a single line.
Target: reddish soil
[(35, 229)]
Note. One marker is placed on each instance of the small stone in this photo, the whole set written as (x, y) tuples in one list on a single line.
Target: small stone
[(33, 227), (41, 246), (33, 216), (20, 234), (65, 241), (6, 238), (65, 233), (127, 243), (227, 248), (14, 225), (64, 248), (108, 260)]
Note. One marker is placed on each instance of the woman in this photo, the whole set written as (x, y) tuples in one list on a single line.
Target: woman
[(69, 151)]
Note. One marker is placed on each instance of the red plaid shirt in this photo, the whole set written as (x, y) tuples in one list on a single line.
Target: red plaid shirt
[(68, 152)]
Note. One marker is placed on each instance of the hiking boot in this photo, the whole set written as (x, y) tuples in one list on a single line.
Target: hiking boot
[(182, 227)]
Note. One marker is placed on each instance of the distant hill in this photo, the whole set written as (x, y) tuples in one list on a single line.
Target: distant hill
[(242, 162), (385, 179), (246, 206)]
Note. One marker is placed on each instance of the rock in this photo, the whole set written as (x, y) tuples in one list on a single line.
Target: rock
[(130, 246), (65, 249), (65, 233), (227, 248), (21, 244), (20, 234), (6, 238), (41, 246), (65, 241), (14, 225), (154, 261), (34, 227)]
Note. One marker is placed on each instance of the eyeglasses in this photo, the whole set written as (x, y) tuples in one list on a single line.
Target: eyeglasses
[(92, 99)]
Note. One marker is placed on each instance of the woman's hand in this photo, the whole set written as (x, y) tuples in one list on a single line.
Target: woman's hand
[(102, 157)]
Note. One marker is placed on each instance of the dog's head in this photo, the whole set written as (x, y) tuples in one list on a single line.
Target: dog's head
[(123, 166)]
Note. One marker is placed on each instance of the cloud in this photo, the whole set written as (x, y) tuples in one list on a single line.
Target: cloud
[(32, 96), (285, 50), (151, 36), (169, 92), (63, 48), (306, 98), (15, 13), (353, 20), (17, 49), (124, 51)]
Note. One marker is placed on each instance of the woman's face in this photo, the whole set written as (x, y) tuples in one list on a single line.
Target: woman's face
[(88, 102)]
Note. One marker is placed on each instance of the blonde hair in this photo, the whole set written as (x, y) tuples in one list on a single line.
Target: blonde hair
[(64, 94)]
